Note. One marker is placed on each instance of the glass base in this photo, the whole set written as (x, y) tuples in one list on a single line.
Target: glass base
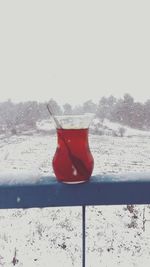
[(76, 182)]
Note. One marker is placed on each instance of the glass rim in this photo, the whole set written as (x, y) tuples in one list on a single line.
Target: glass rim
[(74, 121), (76, 115)]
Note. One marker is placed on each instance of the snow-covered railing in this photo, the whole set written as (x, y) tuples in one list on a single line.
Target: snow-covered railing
[(31, 190)]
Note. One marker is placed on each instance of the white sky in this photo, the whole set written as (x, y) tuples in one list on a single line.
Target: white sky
[(73, 51)]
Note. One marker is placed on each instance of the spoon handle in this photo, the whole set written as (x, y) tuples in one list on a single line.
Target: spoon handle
[(54, 118)]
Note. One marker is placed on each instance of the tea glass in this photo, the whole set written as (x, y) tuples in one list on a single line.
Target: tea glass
[(73, 162)]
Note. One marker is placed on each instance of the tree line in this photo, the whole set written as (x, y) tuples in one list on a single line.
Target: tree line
[(124, 110)]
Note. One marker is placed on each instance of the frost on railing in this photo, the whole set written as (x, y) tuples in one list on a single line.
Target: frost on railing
[(103, 189), (19, 177)]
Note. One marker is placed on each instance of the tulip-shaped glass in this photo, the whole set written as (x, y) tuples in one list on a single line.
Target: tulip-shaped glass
[(73, 161)]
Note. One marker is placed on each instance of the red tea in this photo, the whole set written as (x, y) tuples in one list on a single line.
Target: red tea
[(73, 161)]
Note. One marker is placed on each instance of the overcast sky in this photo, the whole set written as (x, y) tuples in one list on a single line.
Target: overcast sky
[(73, 51)]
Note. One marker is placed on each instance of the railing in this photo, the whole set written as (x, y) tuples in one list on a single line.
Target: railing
[(131, 188)]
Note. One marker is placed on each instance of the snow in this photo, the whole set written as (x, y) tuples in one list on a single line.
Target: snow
[(116, 235), (19, 177), (45, 125), (128, 130)]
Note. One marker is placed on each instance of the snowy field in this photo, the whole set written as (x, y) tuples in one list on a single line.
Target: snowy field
[(116, 235)]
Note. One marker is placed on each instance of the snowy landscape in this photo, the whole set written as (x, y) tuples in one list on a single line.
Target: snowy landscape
[(116, 235), (77, 57)]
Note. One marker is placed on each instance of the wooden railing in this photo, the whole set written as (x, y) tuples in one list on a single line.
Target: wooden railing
[(129, 188)]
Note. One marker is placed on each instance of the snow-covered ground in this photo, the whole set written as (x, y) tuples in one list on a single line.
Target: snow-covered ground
[(128, 130), (116, 235)]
